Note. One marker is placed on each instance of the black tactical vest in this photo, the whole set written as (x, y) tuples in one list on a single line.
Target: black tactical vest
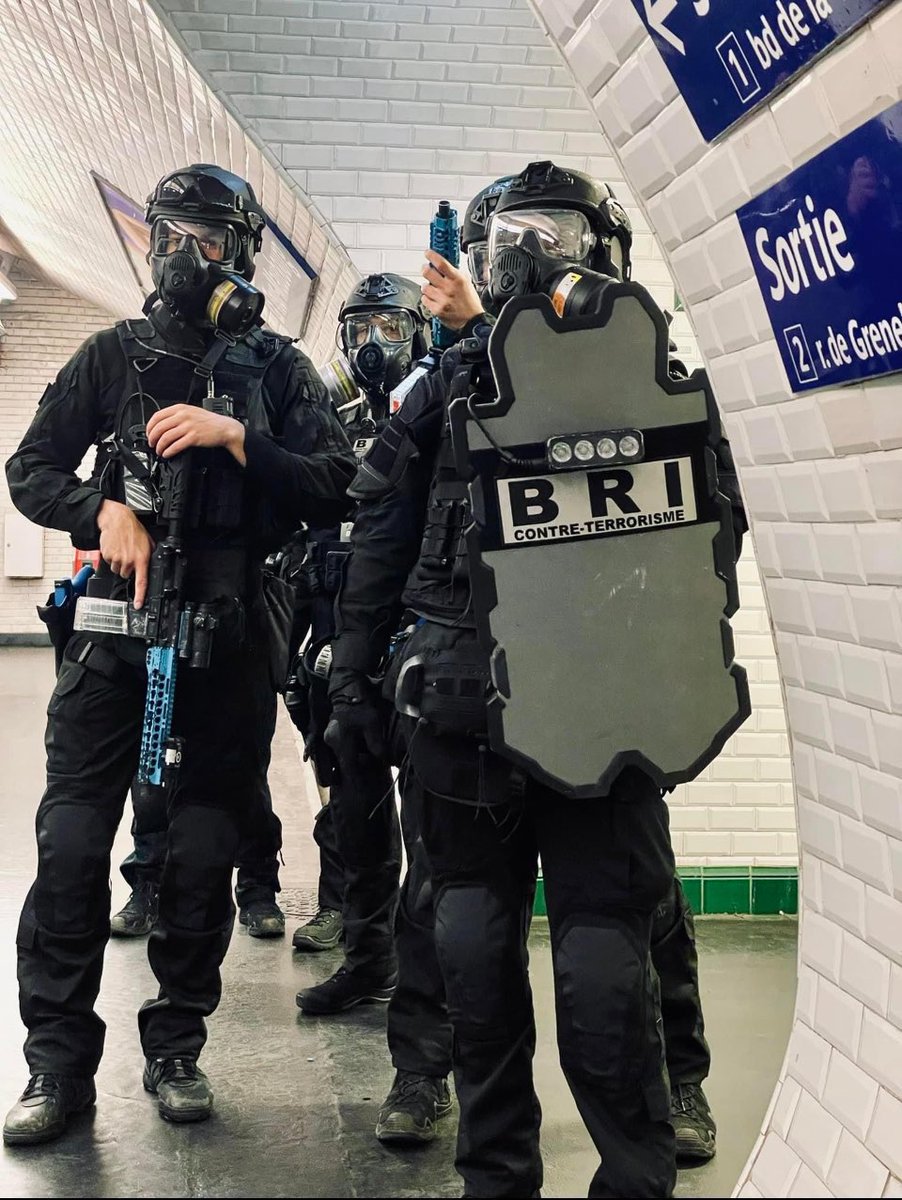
[(222, 515), (438, 587)]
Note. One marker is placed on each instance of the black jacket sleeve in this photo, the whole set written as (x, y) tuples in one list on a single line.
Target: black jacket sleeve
[(70, 418), (304, 475), (393, 488)]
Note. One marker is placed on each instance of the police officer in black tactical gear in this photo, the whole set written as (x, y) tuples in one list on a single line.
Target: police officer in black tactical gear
[(146, 392), (482, 819), (382, 332)]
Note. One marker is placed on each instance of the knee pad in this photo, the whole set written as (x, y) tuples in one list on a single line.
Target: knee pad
[(481, 947), (609, 1027), (72, 892), (195, 891)]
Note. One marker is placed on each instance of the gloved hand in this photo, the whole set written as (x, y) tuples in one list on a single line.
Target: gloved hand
[(356, 720)]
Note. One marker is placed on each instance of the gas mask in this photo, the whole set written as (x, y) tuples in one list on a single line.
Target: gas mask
[(193, 267), (379, 347), (529, 248)]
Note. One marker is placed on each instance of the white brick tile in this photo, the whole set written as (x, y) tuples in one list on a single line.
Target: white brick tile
[(788, 654), (723, 181), (622, 26), (844, 486), (885, 1135), (831, 611), (767, 444), (866, 854), (821, 949), (856, 81), (888, 739), (806, 1185), (806, 999), (814, 1134), (850, 1094), (775, 1167), (837, 553), (881, 551), (853, 731), (880, 1052), (804, 119), (819, 660), (760, 152), (644, 158), (884, 478), (894, 1007), (883, 916), (895, 856), (611, 118), (893, 1188), (876, 616), (731, 385), (864, 676), (784, 1107), (768, 382), (881, 801), (789, 606), (803, 496), (837, 1015), (885, 403), (842, 900), (847, 416), (689, 211), (680, 136), (808, 717), (855, 1171), (636, 98)]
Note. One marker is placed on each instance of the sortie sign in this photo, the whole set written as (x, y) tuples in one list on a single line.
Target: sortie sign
[(726, 56), (826, 243)]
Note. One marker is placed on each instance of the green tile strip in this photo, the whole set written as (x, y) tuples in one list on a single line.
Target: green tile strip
[(760, 891)]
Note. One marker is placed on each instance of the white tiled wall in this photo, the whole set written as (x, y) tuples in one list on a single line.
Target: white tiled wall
[(821, 478), (378, 110), (44, 327), (101, 85)]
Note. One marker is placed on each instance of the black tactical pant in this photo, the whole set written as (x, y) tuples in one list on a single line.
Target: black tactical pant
[(419, 1033), (331, 888), (368, 838), (93, 737), (607, 867), (258, 853)]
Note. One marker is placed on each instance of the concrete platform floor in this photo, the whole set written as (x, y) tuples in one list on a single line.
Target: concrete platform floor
[(297, 1097)]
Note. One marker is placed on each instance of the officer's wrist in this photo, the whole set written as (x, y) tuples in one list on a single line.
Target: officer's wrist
[(235, 442)]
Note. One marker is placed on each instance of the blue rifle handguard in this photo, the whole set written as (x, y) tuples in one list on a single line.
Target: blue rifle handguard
[(162, 663), (444, 238)]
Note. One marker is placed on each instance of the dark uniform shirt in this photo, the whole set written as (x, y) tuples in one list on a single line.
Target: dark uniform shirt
[(298, 459)]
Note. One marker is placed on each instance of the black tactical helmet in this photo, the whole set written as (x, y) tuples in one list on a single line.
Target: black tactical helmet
[(379, 293), (480, 208), (380, 348), (543, 185), (205, 192)]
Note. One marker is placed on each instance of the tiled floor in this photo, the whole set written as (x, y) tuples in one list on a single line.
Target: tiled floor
[(297, 1098)]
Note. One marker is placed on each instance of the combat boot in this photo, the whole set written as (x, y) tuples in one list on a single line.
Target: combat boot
[(139, 914), (263, 918), (412, 1108), (322, 932), (41, 1112), (183, 1090), (344, 990), (692, 1122)]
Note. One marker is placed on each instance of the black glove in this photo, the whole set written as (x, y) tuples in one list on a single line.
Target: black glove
[(356, 720)]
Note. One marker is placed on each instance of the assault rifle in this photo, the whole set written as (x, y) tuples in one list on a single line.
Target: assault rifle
[(175, 630)]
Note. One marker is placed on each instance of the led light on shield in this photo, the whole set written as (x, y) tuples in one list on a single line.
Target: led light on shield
[(584, 450), (607, 448), (629, 446), (561, 452)]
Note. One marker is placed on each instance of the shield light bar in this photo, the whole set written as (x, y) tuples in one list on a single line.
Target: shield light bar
[(607, 448)]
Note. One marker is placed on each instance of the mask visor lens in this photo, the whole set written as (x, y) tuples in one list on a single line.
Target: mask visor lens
[(392, 327), (478, 258), (564, 234), (217, 243)]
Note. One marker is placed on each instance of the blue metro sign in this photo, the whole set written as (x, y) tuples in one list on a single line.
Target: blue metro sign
[(727, 56)]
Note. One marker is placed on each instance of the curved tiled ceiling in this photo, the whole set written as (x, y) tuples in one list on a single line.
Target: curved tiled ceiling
[(103, 86)]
